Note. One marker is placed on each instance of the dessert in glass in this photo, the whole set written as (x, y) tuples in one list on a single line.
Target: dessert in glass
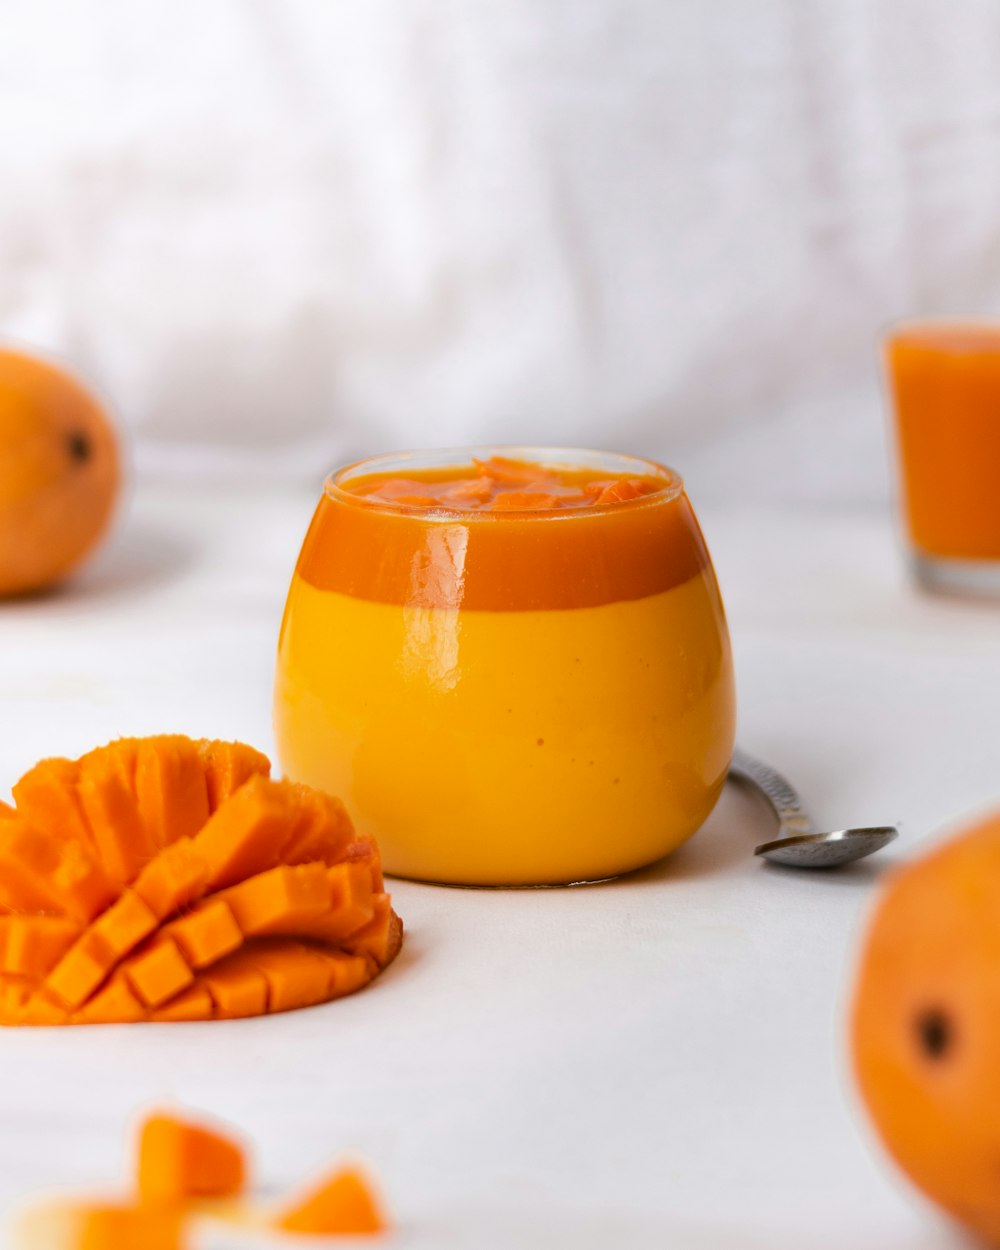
[(512, 664), (944, 387)]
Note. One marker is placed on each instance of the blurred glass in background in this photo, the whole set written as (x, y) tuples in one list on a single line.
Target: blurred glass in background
[(944, 386)]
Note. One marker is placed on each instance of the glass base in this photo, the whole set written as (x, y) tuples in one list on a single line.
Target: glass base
[(503, 885), (944, 575)]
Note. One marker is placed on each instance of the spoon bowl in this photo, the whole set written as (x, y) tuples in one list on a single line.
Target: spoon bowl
[(826, 850), (798, 845)]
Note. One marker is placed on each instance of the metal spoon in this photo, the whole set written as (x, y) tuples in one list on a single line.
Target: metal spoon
[(797, 845)]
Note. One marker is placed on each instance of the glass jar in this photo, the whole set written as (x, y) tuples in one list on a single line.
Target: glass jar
[(521, 697), (944, 390)]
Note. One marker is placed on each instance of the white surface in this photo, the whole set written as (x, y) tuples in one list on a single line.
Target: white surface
[(305, 229), (657, 1062)]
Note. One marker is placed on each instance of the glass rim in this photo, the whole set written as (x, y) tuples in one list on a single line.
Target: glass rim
[(548, 456)]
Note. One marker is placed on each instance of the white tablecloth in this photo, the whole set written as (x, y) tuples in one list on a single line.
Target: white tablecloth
[(656, 1062)]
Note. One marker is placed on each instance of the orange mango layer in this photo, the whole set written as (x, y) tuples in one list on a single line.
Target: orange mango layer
[(589, 711), (945, 383), (251, 895), (585, 539)]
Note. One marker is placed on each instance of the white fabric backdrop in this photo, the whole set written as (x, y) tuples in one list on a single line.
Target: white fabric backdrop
[(282, 233)]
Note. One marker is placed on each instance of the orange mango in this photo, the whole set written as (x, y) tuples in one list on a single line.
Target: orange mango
[(202, 890), (59, 471)]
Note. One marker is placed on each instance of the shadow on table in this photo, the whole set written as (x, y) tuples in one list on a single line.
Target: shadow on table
[(724, 842), (411, 952), (862, 872), (727, 840), (139, 559)]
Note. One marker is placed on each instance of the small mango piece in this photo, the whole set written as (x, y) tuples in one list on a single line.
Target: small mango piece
[(352, 902), (475, 490), (40, 874), (365, 850), (323, 831), (343, 1204), (31, 946), (247, 834), (126, 922), (228, 765), (619, 490), (179, 1160), (82, 882), (207, 933), (158, 973), (114, 1003), (44, 1008), (523, 501), (106, 791), (348, 973), (171, 788), (129, 1227), (190, 1005), (46, 796), (176, 877), (381, 937), (80, 971), (281, 900), (15, 993), (297, 975), (110, 938), (238, 988), (518, 472)]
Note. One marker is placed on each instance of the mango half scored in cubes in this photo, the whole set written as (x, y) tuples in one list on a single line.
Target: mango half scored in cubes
[(169, 879)]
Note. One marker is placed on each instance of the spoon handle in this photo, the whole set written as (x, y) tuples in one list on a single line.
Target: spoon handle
[(781, 795)]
